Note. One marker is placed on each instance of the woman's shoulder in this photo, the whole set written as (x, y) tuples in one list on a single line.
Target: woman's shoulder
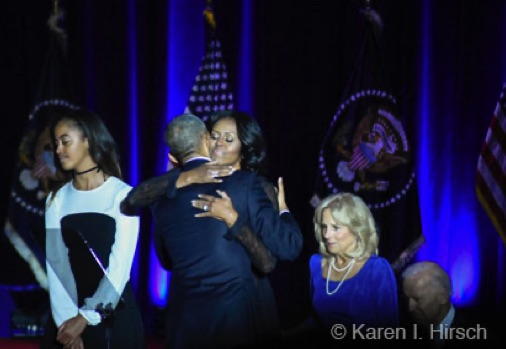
[(374, 261), (118, 188), (118, 184), (58, 194), (378, 264), (246, 173), (264, 179), (248, 178), (315, 260)]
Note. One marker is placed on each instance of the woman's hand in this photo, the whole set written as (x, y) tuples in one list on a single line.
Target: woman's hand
[(77, 344), (69, 333), (220, 208), (281, 195), (206, 173)]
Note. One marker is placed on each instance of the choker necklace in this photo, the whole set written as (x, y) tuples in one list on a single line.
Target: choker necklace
[(349, 267), (88, 170)]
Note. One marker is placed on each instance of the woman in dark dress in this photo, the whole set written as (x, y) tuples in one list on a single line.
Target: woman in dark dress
[(237, 141), (90, 244)]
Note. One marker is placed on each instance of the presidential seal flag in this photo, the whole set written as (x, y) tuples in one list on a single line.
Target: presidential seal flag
[(367, 151), (34, 173), (491, 173), (211, 90)]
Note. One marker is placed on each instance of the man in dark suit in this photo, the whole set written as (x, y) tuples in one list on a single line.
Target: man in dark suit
[(212, 301), (436, 322)]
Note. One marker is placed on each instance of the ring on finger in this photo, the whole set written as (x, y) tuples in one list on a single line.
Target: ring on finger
[(205, 208)]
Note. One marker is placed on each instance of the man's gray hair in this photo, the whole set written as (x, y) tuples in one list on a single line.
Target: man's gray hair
[(184, 134), (432, 272)]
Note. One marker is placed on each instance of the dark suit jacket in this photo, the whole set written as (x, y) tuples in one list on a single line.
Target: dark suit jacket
[(212, 301), (469, 329)]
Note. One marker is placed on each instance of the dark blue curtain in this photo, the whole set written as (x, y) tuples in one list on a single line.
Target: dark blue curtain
[(134, 63)]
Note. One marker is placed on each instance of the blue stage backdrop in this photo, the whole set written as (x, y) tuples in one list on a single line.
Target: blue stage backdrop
[(134, 63)]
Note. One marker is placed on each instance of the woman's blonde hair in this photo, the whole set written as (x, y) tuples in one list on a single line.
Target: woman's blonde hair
[(350, 211)]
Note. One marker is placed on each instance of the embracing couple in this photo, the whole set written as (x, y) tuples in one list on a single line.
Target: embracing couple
[(219, 228)]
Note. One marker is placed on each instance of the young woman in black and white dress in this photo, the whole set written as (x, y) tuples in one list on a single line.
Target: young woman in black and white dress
[(90, 244)]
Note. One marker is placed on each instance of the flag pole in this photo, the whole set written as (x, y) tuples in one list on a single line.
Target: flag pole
[(211, 90), (56, 6)]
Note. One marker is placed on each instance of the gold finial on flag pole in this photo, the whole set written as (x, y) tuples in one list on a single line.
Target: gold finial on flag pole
[(209, 15)]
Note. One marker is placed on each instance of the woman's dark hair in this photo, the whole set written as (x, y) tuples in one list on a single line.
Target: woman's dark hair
[(102, 147), (253, 144)]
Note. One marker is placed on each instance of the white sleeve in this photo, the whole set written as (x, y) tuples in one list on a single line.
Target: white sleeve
[(121, 258), (61, 283)]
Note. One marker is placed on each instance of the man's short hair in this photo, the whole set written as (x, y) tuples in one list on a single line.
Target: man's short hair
[(433, 274), (184, 134)]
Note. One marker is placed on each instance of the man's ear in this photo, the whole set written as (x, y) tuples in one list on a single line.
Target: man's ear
[(205, 144), (442, 297)]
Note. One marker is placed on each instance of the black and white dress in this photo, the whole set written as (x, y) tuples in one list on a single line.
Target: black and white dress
[(90, 247)]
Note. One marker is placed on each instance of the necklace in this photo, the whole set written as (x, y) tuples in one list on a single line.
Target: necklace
[(340, 269), (88, 170), (349, 267)]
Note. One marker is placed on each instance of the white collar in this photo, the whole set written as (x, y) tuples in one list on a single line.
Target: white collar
[(448, 319), (197, 158)]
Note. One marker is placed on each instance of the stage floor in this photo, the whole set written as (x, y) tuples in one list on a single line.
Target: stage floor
[(33, 343)]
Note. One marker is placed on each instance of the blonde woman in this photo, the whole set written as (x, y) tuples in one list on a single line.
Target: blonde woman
[(350, 284)]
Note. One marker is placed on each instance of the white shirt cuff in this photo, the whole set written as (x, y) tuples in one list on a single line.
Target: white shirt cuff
[(91, 316)]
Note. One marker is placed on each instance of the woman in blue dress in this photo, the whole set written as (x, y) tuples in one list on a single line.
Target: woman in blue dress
[(351, 286)]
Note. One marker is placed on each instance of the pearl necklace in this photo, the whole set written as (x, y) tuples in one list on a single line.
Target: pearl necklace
[(340, 269), (348, 270)]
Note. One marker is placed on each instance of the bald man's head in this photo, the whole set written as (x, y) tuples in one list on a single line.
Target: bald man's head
[(428, 290)]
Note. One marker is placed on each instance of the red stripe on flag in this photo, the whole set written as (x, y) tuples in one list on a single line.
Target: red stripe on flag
[(494, 168), (495, 213), (498, 132), (491, 176)]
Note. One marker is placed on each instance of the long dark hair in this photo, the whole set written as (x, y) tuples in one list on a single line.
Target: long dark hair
[(253, 144), (102, 147)]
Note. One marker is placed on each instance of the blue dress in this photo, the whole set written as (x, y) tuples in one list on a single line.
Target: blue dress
[(369, 297)]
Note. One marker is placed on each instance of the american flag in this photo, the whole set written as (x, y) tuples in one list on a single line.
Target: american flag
[(491, 176), (211, 90)]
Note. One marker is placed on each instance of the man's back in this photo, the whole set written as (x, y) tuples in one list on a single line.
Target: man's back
[(212, 298)]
